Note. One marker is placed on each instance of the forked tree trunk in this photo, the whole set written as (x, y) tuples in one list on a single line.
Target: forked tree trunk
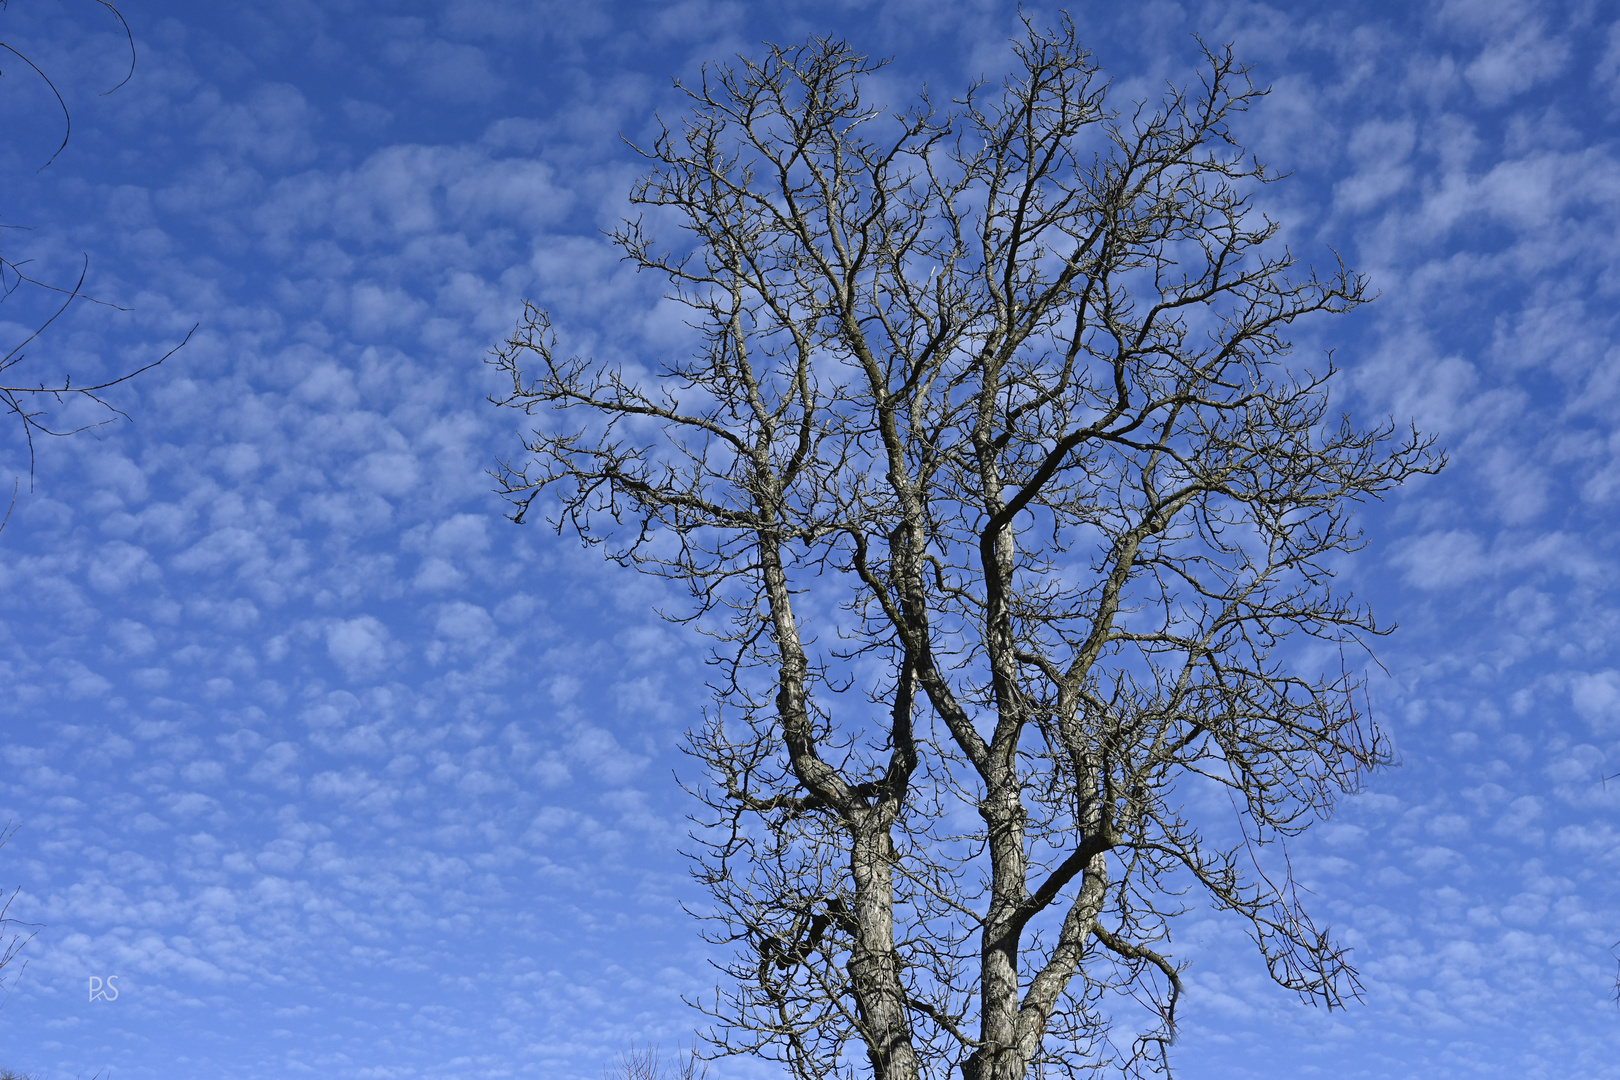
[(1005, 389)]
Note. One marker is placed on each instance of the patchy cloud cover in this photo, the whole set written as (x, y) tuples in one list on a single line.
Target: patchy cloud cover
[(342, 775)]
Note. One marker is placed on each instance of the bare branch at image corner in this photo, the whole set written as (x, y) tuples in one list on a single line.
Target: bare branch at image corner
[(28, 401)]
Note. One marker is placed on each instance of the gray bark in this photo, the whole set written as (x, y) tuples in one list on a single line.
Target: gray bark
[(1008, 387)]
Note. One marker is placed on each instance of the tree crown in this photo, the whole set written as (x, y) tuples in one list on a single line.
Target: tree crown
[(993, 481)]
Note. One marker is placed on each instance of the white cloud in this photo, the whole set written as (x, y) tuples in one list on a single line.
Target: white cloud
[(1515, 60), (1596, 697), (1443, 559), (437, 68), (465, 622), (275, 126), (1608, 68), (275, 766), (1380, 149)]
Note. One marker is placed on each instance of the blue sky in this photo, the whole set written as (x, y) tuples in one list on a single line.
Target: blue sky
[(340, 774)]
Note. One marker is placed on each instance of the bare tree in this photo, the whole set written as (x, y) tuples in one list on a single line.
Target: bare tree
[(645, 1063), (1016, 530)]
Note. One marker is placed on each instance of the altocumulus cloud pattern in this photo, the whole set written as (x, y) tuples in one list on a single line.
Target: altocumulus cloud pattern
[(340, 774)]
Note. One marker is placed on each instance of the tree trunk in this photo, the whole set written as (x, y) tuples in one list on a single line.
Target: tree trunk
[(1003, 814), (873, 965)]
